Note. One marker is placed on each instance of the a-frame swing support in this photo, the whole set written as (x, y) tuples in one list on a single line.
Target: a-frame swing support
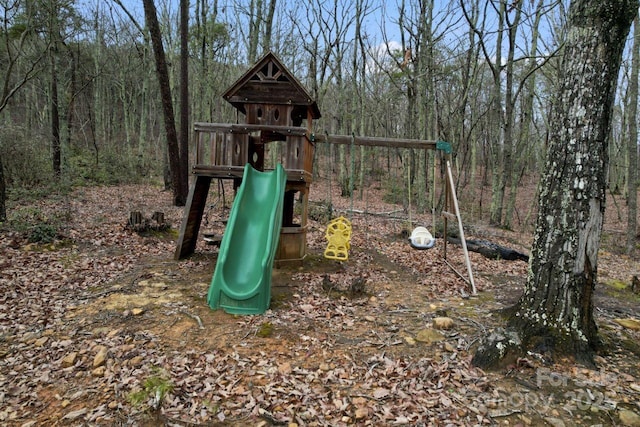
[(451, 200)]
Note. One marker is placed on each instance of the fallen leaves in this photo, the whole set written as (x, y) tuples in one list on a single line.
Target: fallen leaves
[(86, 325)]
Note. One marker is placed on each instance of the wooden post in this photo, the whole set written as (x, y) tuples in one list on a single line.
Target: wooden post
[(454, 199), (193, 211)]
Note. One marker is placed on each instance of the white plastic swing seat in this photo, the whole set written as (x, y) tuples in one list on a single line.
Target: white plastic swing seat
[(421, 238)]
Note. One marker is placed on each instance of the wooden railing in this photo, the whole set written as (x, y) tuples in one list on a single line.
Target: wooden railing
[(225, 148)]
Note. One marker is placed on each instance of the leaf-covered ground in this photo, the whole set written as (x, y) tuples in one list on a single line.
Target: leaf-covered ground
[(103, 327)]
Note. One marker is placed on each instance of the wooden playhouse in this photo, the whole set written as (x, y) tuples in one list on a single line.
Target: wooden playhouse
[(277, 110)]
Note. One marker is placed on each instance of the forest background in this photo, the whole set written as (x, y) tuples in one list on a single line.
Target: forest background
[(83, 113), (81, 105)]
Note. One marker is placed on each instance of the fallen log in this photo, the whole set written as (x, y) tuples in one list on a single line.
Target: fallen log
[(491, 250)]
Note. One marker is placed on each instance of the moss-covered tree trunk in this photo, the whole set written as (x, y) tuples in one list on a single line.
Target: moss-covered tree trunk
[(555, 311)]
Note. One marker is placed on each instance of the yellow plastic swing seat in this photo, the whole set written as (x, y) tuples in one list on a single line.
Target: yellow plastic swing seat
[(338, 235)]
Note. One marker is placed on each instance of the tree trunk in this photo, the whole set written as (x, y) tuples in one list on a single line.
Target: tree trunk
[(497, 142), (343, 175), (469, 75), (255, 18), (555, 313), (268, 27), (509, 108), (358, 106), (162, 71), (55, 119), (523, 146), (184, 100), (144, 108), (632, 141), (73, 88), (3, 193), (427, 123)]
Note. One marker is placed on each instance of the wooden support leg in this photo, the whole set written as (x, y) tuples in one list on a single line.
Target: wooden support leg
[(193, 212)]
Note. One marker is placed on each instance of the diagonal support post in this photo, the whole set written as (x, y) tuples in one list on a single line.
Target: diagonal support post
[(451, 197)]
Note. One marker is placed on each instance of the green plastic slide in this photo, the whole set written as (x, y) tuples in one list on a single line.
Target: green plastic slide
[(241, 282)]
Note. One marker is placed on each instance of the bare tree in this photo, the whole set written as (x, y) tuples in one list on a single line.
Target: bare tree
[(55, 116), (359, 75), (255, 18), (162, 70), (18, 49), (184, 98), (508, 83), (268, 27), (522, 148), (632, 141), (327, 49), (3, 194), (555, 312), (21, 60)]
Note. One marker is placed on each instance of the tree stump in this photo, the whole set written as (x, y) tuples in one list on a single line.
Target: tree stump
[(135, 220), (158, 217), (138, 223), (158, 221)]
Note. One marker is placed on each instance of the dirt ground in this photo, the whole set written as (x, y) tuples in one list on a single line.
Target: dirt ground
[(105, 328)]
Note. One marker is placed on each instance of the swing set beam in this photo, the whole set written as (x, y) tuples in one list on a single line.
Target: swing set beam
[(451, 200), (371, 141)]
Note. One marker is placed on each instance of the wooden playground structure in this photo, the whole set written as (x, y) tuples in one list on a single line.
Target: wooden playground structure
[(276, 107)]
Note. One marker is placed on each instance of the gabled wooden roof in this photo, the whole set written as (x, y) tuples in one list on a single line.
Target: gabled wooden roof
[(269, 82)]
